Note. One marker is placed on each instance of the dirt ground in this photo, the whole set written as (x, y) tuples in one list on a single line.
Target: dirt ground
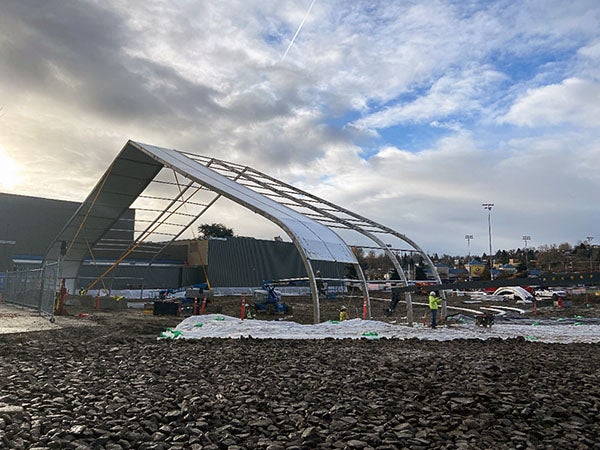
[(144, 322), (302, 308), (104, 381)]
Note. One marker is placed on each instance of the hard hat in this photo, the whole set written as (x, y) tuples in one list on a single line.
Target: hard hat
[(432, 293), (343, 308)]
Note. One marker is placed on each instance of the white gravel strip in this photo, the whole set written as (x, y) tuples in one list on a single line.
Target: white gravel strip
[(215, 325)]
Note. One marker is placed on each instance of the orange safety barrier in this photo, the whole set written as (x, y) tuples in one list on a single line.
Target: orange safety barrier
[(243, 313)]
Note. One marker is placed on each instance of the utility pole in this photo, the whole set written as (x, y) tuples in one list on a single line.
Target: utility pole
[(489, 207), (590, 239), (468, 237), (525, 239)]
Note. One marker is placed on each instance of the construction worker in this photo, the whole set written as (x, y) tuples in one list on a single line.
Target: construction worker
[(250, 311), (434, 303), (343, 314), (320, 285)]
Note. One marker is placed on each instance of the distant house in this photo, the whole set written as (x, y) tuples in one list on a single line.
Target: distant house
[(458, 274), (475, 268), (442, 269), (508, 269)]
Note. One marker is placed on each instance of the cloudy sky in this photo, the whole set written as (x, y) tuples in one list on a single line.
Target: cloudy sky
[(412, 113)]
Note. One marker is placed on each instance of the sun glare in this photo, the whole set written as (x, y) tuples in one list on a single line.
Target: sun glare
[(9, 171)]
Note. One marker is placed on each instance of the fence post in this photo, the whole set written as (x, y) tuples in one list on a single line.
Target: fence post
[(41, 293)]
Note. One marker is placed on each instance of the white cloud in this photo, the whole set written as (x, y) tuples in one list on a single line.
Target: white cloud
[(573, 101), (588, 61), (540, 186), (591, 51), (80, 78), (452, 94)]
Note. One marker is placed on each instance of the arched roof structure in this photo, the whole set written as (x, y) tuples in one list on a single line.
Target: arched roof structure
[(308, 220), (515, 291)]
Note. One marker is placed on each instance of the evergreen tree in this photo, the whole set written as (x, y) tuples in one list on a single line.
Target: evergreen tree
[(217, 230)]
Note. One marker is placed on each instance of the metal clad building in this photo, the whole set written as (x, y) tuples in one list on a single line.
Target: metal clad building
[(29, 224), (241, 262), (247, 262)]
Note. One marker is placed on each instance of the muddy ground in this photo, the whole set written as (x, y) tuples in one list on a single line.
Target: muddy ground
[(113, 385), (302, 308)]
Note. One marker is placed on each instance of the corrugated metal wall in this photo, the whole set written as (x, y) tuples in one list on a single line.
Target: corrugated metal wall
[(246, 262), (33, 222), (233, 262), (130, 277)]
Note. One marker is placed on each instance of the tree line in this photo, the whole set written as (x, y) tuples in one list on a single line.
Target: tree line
[(554, 258)]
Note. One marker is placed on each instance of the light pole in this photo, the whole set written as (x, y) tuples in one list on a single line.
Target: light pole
[(468, 237), (525, 239), (489, 207), (590, 239)]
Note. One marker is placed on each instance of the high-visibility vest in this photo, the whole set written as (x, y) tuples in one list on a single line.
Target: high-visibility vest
[(434, 302)]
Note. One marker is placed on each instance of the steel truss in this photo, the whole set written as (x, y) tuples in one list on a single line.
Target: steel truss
[(170, 195), (321, 210)]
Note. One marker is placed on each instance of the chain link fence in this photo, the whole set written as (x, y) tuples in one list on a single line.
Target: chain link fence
[(33, 288)]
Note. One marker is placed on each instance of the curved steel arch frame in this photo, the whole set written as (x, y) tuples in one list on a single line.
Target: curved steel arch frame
[(101, 209), (313, 240), (135, 168), (330, 214)]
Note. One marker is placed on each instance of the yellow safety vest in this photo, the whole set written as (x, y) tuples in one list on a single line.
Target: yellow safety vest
[(434, 302)]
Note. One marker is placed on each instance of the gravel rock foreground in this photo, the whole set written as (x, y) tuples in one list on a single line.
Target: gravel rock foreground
[(88, 388)]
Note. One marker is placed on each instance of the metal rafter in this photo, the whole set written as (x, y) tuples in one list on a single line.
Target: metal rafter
[(307, 219), (325, 212)]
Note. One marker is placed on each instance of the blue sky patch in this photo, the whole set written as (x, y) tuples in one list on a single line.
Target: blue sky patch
[(413, 137)]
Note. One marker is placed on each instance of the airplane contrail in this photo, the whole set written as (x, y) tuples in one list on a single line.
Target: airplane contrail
[(298, 30)]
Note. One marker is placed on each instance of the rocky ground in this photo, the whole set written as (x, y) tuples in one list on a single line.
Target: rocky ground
[(113, 385)]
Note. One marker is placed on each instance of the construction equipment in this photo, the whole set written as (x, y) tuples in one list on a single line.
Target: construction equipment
[(485, 320), (267, 299), (183, 301)]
